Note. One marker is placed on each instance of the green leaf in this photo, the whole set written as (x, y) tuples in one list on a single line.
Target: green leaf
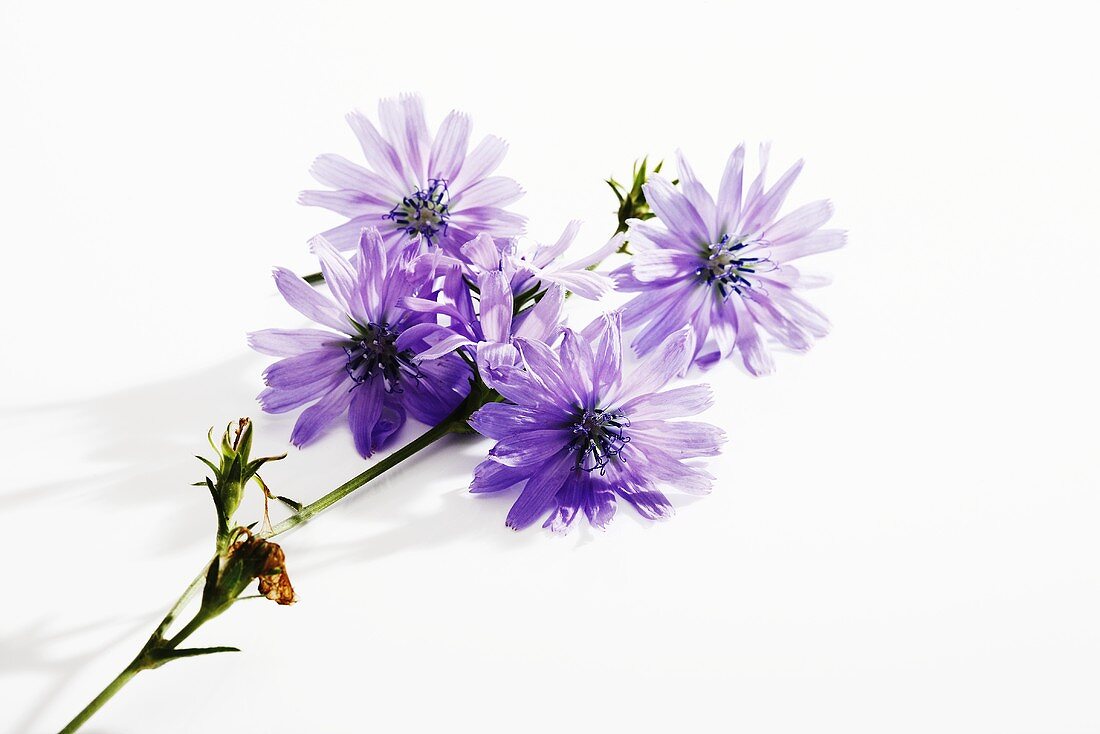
[(223, 520), (254, 466), (615, 187), (296, 506), (160, 657), (210, 464)]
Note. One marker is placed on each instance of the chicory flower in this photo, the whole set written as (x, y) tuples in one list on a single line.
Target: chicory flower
[(723, 267), (416, 187), (578, 436), (366, 366)]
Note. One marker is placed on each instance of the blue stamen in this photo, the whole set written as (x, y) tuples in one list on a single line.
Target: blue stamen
[(374, 351), (598, 438), (725, 269), (424, 212)]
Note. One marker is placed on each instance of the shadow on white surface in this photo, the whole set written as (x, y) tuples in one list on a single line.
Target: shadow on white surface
[(38, 650), (120, 447)]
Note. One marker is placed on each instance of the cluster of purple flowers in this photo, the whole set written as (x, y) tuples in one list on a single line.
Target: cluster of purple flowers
[(441, 301)]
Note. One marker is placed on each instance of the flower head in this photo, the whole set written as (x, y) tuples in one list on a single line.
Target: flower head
[(367, 365), (723, 267), (416, 187), (577, 435)]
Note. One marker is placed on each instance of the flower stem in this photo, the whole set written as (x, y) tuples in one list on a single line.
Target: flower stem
[(314, 278), (152, 654), (104, 696), (320, 505)]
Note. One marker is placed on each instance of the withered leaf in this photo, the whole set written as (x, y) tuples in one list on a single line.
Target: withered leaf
[(265, 561)]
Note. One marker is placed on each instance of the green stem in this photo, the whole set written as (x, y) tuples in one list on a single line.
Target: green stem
[(455, 422), (320, 505), (105, 695), (314, 278)]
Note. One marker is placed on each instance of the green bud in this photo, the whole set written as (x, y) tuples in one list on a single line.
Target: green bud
[(232, 471), (632, 203)]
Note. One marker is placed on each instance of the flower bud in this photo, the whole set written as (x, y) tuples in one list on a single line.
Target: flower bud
[(232, 472)]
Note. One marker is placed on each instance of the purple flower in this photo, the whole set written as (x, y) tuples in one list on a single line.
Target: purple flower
[(367, 365), (578, 436), (417, 188), (723, 267), (490, 333)]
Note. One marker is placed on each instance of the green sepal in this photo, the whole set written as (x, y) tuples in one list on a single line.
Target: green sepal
[(210, 589), (223, 519), (244, 443)]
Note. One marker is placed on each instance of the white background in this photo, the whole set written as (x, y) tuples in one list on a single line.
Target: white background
[(904, 537)]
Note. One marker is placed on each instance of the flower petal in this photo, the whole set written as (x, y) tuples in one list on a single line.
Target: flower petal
[(481, 161), (767, 206), (682, 439), (500, 421), (363, 414), (543, 320), (444, 346), (799, 223), (491, 191), (822, 240), (675, 211), (492, 476), (305, 300), (305, 369), (449, 147), (340, 173), (290, 342), (728, 206), (496, 306), (675, 403), (339, 277), (482, 251), (379, 154), (346, 202), (316, 418), (697, 194), (529, 447), (538, 494), (668, 360), (404, 124)]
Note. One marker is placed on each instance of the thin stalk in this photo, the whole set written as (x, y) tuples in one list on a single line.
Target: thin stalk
[(320, 505), (157, 642), (104, 696), (314, 278)]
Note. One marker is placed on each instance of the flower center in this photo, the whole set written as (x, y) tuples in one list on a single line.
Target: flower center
[(729, 263), (597, 438), (374, 352), (424, 212)]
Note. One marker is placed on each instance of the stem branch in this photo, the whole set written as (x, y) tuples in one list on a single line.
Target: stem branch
[(157, 643)]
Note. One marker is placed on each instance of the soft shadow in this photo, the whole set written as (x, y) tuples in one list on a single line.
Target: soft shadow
[(34, 650), (140, 443), (407, 508)]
